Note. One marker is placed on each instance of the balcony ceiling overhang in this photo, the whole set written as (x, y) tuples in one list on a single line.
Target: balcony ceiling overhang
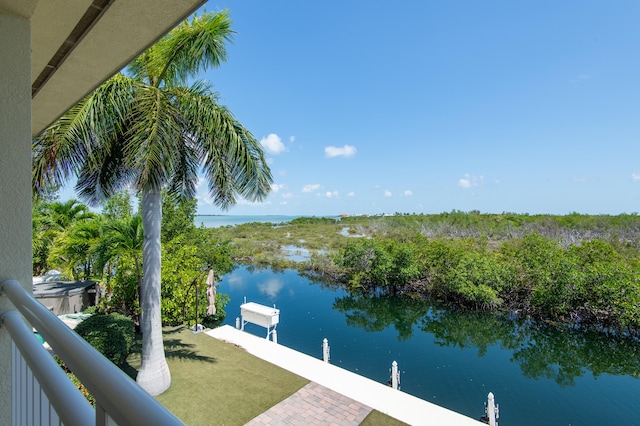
[(78, 44)]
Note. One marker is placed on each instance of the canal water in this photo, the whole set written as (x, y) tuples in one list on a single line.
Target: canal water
[(540, 374)]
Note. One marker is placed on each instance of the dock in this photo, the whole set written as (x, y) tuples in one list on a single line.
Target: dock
[(369, 393)]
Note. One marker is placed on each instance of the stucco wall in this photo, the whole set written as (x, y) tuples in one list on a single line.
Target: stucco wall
[(15, 175)]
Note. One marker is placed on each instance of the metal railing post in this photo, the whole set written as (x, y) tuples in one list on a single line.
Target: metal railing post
[(67, 401), (124, 402)]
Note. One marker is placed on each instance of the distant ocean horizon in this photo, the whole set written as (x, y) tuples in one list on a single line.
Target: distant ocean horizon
[(216, 221)]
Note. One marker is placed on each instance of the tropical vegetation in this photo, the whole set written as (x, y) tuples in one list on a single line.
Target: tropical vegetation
[(152, 129), (581, 269), (115, 259)]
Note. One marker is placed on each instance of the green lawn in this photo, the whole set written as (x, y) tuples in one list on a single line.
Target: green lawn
[(216, 383)]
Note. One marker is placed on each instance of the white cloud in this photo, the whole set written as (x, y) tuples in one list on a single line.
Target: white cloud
[(311, 187), (273, 144), (464, 182), (292, 139), (635, 176), (470, 181), (275, 188), (201, 183), (330, 194), (345, 151), (351, 194), (287, 195), (387, 193), (407, 193)]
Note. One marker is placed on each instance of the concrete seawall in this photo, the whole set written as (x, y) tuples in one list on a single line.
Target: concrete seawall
[(394, 403)]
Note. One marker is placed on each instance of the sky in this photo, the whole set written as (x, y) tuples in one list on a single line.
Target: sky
[(370, 107)]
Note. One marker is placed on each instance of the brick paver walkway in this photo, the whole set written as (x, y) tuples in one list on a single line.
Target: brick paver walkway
[(314, 405)]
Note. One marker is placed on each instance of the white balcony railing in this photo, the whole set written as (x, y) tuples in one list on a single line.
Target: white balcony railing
[(42, 394)]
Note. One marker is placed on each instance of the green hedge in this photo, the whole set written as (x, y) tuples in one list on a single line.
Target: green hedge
[(112, 335)]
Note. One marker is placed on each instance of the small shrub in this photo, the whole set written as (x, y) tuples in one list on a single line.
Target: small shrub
[(112, 335), (93, 309), (83, 390)]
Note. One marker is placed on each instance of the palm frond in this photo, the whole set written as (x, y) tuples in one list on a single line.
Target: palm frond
[(155, 126), (186, 164), (125, 234), (58, 152), (190, 48), (80, 140), (188, 152), (105, 174), (233, 159)]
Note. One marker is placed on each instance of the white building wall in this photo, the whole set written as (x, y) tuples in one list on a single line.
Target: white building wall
[(15, 176)]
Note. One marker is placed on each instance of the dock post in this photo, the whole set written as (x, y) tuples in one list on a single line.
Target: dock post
[(493, 411), (395, 375), (238, 323), (275, 336), (325, 350)]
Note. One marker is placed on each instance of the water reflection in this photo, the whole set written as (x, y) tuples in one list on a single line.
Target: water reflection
[(466, 329), (375, 313), (541, 350), (271, 287), (295, 253), (563, 354)]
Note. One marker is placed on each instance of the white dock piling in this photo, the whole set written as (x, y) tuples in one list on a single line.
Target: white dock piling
[(395, 375), (325, 350), (274, 336), (238, 323), (493, 411)]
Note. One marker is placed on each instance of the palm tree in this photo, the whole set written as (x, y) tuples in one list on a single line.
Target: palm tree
[(53, 221), (44, 232), (74, 250), (124, 237), (64, 214), (150, 130)]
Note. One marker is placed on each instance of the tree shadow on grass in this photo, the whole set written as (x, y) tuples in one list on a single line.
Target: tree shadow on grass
[(129, 370), (176, 348), (175, 330), (173, 349), (136, 348)]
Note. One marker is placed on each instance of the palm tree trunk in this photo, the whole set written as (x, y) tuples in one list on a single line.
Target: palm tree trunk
[(154, 376), (139, 276)]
